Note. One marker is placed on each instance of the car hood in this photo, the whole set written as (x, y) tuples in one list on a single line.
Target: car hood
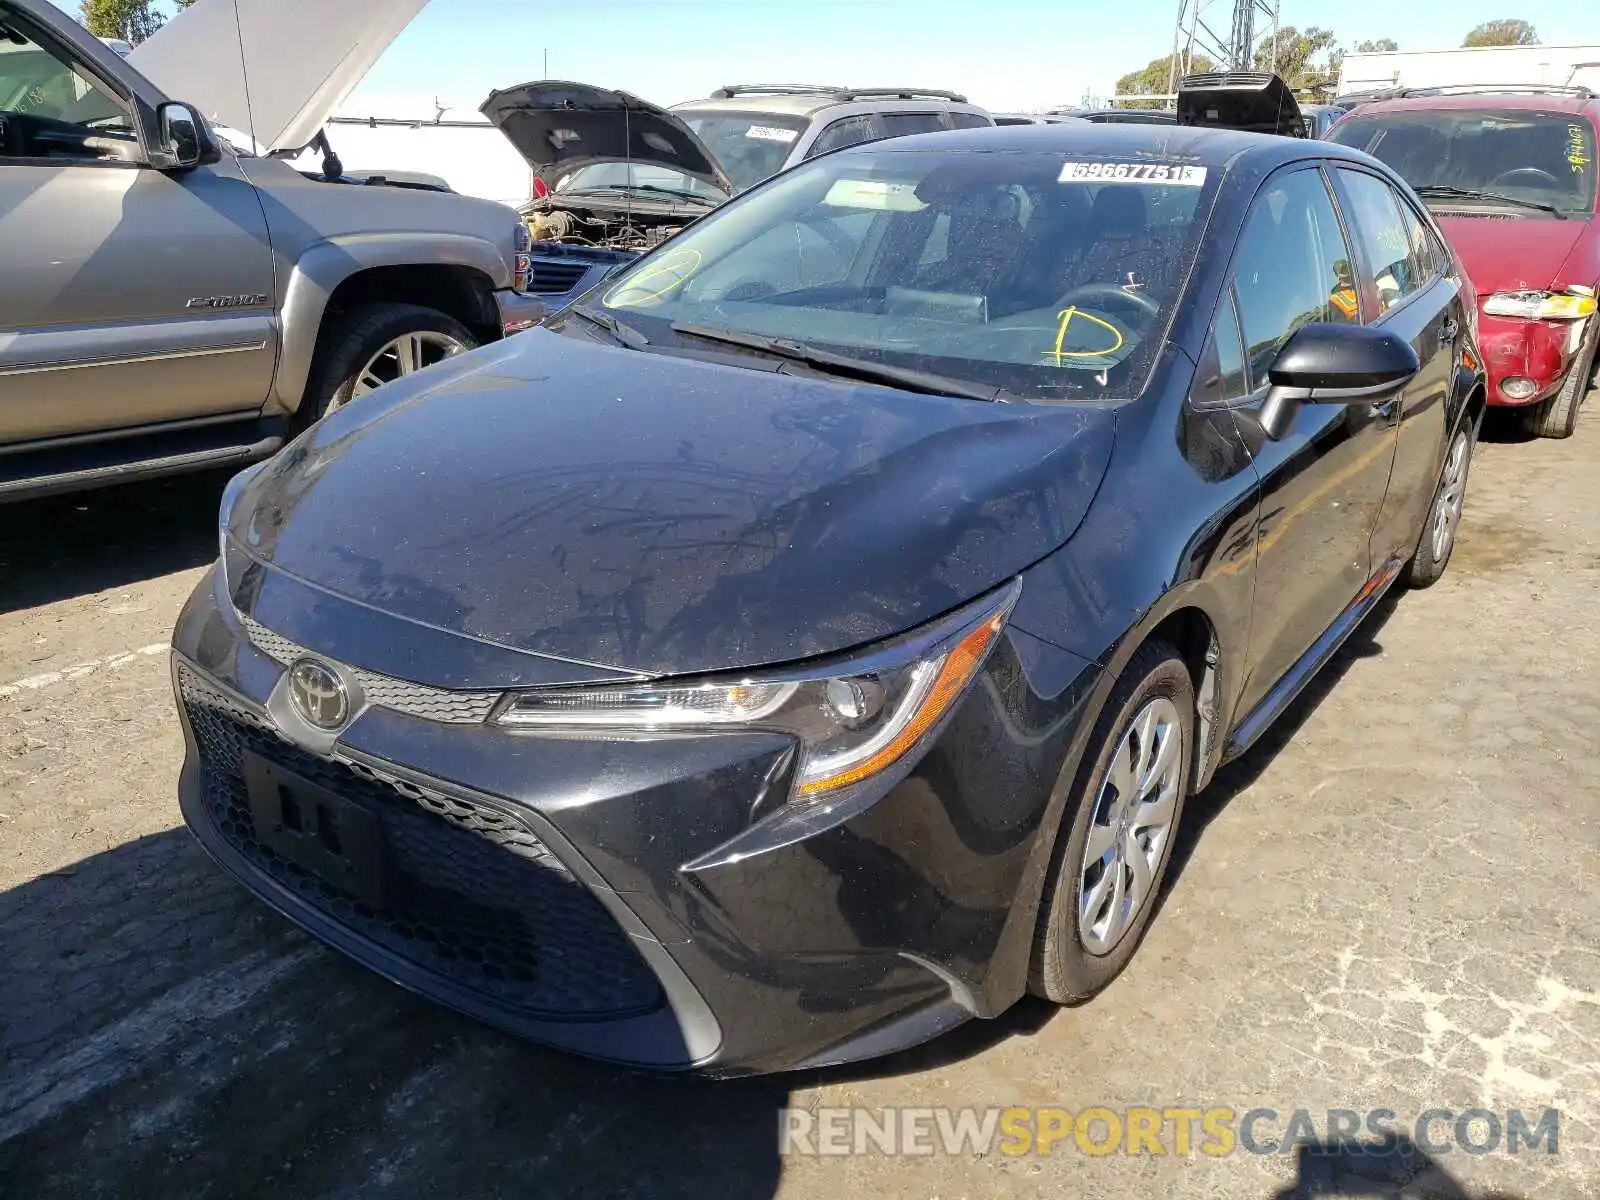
[(1509, 254), (655, 514), (574, 125), (302, 59), (1255, 101)]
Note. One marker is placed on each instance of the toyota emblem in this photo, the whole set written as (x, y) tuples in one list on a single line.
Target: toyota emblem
[(319, 694)]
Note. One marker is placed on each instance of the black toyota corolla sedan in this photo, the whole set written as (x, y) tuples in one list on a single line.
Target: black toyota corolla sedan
[(809, 640)]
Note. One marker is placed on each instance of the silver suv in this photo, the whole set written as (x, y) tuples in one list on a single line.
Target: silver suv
[(757, 130), (172, 302)]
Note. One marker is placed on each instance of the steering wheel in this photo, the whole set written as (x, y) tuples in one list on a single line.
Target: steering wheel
[(1534, 173), (1113, 293)]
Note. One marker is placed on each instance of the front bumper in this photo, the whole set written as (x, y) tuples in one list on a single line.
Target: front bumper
[(519, 310), (1516, 348), (584, 893)]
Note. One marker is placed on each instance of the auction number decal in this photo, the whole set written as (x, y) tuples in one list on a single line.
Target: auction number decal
[(1122, 172)]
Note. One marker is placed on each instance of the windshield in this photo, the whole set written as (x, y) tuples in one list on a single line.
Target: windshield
[(636, 175), (1542, 157), (749, 147), (1048, 278)]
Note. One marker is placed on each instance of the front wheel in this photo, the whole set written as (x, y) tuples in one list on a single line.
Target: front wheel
[(1557, 417), (1438, 538), (1118, 832), (377, 344)]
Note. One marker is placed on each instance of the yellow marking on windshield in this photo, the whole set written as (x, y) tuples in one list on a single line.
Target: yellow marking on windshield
[(677, 267), (1065, 316), (1576, 145)]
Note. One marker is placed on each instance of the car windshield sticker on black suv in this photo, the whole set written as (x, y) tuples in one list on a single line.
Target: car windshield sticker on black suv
[(1123, 172)]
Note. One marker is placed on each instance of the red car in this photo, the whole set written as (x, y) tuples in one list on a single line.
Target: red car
[(1510, 175)]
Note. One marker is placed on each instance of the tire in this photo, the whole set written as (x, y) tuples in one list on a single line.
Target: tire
[(1557, 417), (351, 342), (1074, 957), (1437, 540)]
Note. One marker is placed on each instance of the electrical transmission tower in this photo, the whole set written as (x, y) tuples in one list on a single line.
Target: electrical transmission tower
[(1231, 49)]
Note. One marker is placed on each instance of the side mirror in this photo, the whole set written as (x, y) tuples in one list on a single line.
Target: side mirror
[(181, 141), (1334, 364)]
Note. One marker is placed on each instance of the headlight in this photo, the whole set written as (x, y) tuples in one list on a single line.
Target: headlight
[(521, 259), (1541, 306), (852, 720)]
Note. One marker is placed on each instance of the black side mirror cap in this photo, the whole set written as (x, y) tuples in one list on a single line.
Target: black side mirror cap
[(1324, 363)]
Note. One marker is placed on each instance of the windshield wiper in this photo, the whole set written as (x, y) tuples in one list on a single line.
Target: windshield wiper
[(1445, 190), (642, 187), (623, 335), (842, 364)]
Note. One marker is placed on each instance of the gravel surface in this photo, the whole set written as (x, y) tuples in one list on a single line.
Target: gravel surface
[(1392, 903)]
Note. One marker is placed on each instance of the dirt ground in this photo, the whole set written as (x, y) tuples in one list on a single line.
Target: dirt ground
[(1393, 903)]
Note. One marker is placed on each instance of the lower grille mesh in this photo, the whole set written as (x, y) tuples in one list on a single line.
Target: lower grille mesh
[(478, 899)]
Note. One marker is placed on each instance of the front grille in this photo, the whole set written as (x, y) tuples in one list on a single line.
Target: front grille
[(477, 899), (554, 276), (385, 691)]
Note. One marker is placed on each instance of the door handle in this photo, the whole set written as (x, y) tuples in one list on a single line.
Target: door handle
[(1449, 331)]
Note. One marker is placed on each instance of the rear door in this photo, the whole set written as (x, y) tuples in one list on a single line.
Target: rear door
[(1323, 484), (1406, 289), (131, 296)]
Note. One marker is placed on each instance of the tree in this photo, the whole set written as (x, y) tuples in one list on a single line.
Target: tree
[(1380, 46), (130, 20), (1156, 77), (1293, 55), (1508, 31)]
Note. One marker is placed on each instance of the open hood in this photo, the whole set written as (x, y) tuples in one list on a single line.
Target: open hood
[(1254, 101), (275, 69), (573, 125)]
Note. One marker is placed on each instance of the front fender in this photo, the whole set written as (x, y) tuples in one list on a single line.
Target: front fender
[(322, 267)]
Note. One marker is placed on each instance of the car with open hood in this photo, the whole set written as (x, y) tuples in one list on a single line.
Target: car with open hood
[(809, 640), (616, 175), (174, 300), (1510, 174), (1253, 101)]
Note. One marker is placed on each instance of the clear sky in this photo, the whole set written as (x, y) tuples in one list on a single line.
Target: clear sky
[(1004, 54)]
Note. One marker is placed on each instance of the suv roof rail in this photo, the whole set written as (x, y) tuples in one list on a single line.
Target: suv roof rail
[(1577, 91), (776, 89), (838, 93), (886, 93)]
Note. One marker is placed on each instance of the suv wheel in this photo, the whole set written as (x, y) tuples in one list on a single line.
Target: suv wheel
[(376, 344)]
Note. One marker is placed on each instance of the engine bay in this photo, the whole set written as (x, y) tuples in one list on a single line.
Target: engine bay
[(593, 226)]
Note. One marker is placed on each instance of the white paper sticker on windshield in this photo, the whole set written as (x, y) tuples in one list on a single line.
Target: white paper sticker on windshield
[(771, 133), (874, 194), (1107, 172)]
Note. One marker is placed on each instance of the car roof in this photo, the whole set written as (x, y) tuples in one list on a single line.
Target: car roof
[(1470, 101), (1220, 148)]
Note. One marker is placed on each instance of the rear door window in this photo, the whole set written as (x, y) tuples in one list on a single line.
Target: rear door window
[(965, 120), (1386, 238), (1293, 266), (898, 124), (847, 131)]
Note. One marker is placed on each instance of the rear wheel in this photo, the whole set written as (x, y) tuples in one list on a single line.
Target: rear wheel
[(1444, 514), (377, 344), (1557, 417), (1118, 833)]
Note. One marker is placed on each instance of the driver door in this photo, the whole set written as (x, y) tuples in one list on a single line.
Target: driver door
[(133, 297), (1323, 485)]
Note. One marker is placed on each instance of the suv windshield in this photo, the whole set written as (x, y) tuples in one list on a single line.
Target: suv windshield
[(1044, 278), (749, 146), (1540, 157)]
